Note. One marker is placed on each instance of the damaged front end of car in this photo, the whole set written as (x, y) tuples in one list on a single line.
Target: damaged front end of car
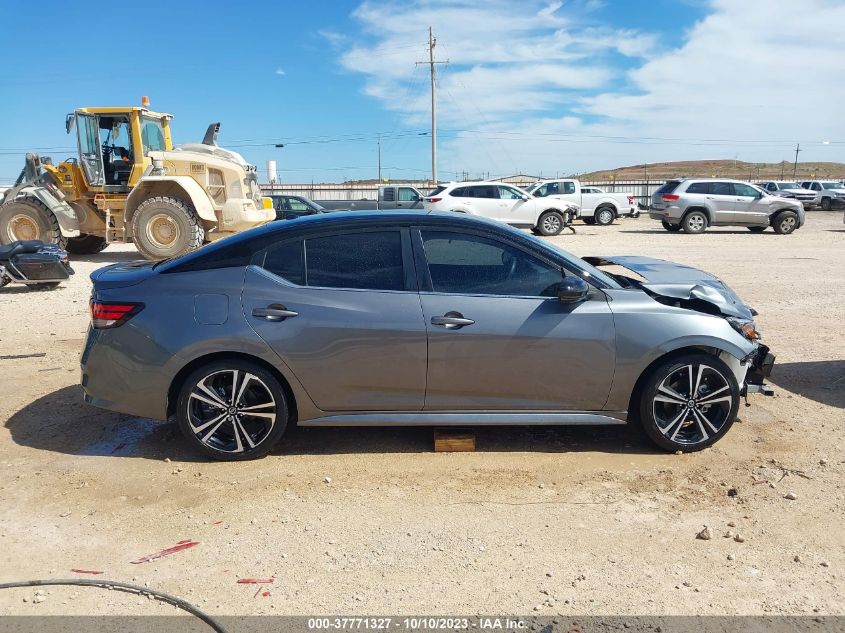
[(693, 289)]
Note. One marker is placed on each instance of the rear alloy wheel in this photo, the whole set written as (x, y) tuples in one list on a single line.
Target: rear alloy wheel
[(232, 410), (550, 223), (694, 222), (672, 228), (785, 222), (604, 216), (688, 403)]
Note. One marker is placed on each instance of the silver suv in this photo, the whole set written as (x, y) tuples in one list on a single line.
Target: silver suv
[(695, 204)]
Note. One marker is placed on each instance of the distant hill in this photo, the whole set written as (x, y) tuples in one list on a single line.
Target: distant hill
[(719, 169)]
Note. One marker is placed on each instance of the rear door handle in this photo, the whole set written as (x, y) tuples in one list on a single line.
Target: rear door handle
[(451, 320), (274, 312)]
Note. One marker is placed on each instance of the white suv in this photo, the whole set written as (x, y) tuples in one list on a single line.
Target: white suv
[(506, 203)]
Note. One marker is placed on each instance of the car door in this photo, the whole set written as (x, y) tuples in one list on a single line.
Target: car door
[(751, 207), (355, 336), (721, 201), (482, 200), (514, 208), (498, 337), (408, 198)]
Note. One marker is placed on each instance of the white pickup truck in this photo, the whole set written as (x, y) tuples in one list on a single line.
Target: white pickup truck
[(595, 206)]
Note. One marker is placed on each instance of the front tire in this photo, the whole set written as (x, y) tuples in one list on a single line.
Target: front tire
[(28, 218), (232, 410), (826, 204), (86, 244), (785, 222), (604, 216), (689, 402), (672, 228), (694, 222), (550, 223), (165, 227)]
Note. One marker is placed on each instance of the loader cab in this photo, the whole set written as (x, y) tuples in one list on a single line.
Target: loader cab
[(114, 144)]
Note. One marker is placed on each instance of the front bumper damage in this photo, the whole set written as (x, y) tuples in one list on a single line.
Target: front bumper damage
[(761, 363)]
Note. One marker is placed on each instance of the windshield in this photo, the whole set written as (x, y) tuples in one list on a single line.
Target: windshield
[(788, 185), (832, 185)]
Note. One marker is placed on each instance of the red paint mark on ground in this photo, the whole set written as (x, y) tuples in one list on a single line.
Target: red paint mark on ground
[(255, 581), (180, 546)]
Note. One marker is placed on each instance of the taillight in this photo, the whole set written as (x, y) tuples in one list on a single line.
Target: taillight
[(434, 199), (107, 314), (630, 199), (670, 197)]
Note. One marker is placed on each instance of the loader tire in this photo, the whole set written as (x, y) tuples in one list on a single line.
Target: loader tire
[(86, 244), (29, 219), (165, 227)]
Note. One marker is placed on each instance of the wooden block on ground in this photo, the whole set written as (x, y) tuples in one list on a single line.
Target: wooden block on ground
[(453, 441)]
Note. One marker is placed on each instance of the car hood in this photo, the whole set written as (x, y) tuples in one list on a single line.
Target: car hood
[(677, 281)]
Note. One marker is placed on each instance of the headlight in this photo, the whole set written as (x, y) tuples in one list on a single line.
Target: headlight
[(745, 327)]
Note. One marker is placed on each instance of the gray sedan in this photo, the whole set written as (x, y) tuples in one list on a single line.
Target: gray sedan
[(415, 318)]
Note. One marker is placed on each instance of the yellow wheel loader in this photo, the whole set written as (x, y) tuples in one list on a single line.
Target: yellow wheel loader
[(131, 184)]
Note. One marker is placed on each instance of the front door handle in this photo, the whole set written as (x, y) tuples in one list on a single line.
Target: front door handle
[(274, 312), (451, 320)]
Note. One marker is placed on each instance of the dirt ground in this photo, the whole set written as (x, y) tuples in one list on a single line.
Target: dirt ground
[(571, 521)]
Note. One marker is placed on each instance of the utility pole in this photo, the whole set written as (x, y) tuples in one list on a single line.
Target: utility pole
[(432, 64), (795, 166), (378, 140)]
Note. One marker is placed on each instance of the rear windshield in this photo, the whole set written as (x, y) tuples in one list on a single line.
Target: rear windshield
[(435, 191), (668, 187)]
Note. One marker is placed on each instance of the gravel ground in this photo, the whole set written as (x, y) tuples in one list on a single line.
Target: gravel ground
[(572, 521)]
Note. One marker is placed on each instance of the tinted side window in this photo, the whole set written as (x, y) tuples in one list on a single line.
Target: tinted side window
[(389, 194), (285, 260), (744, 190), (356, 260), (721, 189), (406, 194), (470, 264), (698, 187), (460, 192)]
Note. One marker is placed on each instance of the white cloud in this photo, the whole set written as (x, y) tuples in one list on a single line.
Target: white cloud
[(280, 71), (752, 70)]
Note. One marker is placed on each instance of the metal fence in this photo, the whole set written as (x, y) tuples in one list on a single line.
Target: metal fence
[(640, 189)]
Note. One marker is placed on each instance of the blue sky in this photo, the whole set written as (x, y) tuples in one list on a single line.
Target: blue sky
[(537, 87)]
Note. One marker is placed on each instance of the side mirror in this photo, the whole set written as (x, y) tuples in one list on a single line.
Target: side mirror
[(572, 290)]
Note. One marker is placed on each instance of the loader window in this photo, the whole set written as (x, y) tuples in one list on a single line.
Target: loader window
[(90, 154), (152, 135), (117, 149)]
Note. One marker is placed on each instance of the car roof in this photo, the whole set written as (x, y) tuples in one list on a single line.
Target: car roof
[(333, 221)]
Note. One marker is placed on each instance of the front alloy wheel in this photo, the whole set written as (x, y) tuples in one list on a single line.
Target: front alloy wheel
[(689, 403), (232, 411)]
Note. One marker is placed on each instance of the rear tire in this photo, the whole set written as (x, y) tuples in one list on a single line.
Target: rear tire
[(164, 227), (227, 428), (672, 228), (678, 418), (694, 222), (86, 244), (29, 219), (604, 216), (785, 222), (550, 223), (756, 229)]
